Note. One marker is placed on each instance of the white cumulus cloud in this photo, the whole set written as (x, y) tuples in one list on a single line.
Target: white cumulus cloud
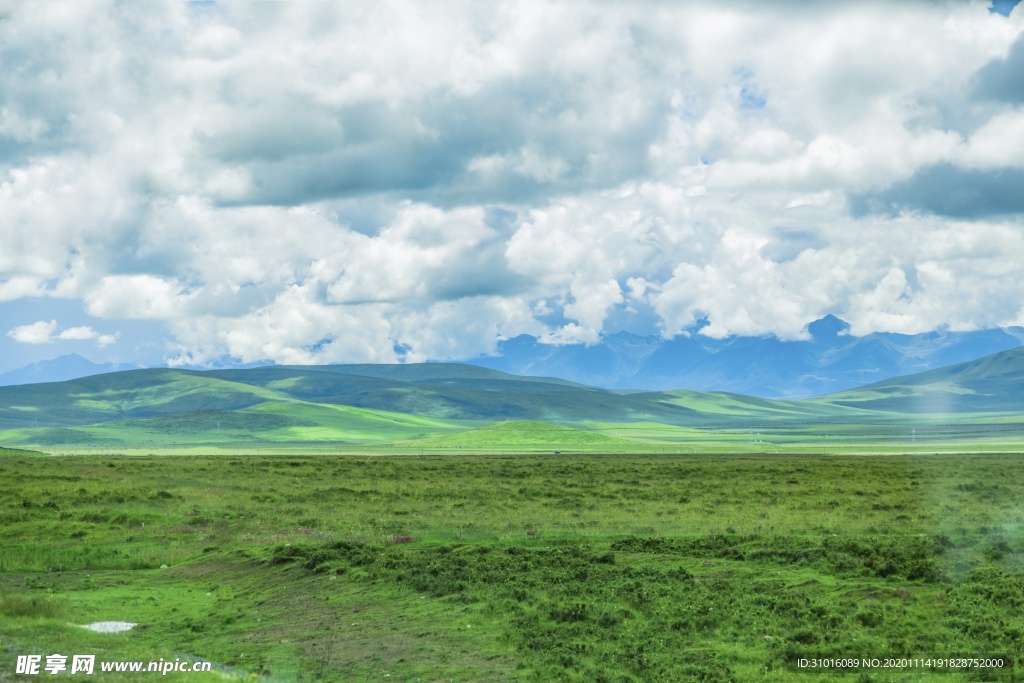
[(45, 332), (330, 182), (35, 333)]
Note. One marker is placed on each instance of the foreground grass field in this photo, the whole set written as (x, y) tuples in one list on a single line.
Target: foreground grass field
[(515, 568)]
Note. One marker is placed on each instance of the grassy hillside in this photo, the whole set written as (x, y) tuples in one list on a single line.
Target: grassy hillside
[(490, 395), (354, 405), (123, 395), (991, 384), (158, 409), (719, 406), (264, 424)]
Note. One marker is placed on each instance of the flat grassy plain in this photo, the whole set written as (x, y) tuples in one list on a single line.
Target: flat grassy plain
[(398, 565)]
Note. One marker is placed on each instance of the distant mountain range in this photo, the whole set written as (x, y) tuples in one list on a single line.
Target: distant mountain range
[(61, 369), (831, 360)]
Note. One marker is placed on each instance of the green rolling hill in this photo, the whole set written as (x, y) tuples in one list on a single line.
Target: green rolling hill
[(725, 407), (453, 391), (123, 395), (449, 391), (449, 405), (993, 384)]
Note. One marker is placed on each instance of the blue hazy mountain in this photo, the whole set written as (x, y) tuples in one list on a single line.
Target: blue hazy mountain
[(60, 369), (830, 360), (74, 366)]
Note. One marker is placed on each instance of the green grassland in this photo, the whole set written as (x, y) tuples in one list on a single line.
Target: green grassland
[(518, 436), (516, 567), (441, 522)]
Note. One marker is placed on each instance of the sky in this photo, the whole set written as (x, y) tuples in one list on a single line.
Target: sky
[(203, 183)]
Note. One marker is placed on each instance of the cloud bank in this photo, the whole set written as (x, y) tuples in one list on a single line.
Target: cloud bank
[(332, 182)]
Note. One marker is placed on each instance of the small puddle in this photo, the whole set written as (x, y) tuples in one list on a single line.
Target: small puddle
[(110, 626)]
